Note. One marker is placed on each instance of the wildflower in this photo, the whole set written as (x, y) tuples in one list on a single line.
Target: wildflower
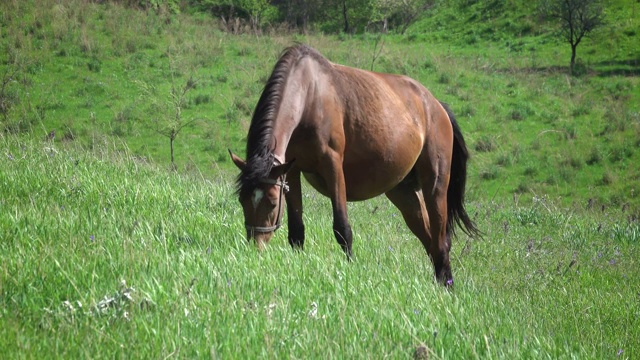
[(92, 238), (270, 308), (313, 313), (68, 306)]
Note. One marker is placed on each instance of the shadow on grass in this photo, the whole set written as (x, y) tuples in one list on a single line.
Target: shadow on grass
[(628, 68)]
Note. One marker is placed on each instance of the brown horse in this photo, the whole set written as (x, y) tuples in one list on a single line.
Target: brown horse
[(354, 135)]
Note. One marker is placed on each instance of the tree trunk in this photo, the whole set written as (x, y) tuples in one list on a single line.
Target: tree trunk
[(345, 16), (173, 164), (573, 58)]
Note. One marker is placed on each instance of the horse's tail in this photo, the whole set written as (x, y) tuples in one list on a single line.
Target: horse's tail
[(458, 178)]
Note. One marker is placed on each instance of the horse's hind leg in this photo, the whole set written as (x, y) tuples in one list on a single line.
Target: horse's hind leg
[(408, 198), (434, 191)]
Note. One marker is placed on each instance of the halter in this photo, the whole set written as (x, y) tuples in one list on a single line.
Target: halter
[(284, 188)]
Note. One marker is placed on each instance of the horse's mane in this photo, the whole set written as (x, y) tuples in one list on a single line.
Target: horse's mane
[(260, 141)]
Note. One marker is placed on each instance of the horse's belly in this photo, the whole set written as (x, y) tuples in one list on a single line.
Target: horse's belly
[(372, 168), (365, 179), (369, 179)]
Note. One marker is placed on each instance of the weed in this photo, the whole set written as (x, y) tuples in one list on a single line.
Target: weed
[(244, 51), (444, 78), (522, 188), (595, 156), (607, 179), (489, 173), (467, 109), (573, 160), (243, 106), (485, 144), (620, 152), (505, 160), (581, 109), (202, 99), (222, 78), (94, 64), (520, 111)]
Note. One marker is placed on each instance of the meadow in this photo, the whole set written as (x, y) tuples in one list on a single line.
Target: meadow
[(92, 73), (108, 251), (105, 256)]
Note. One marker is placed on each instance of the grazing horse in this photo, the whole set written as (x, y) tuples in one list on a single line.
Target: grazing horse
[(354, 135)]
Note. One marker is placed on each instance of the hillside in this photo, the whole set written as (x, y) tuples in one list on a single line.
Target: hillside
[(84, 73)]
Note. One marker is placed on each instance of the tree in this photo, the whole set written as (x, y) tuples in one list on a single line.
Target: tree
[(166, 110), (577, 18), (256, 10), (399, 14)]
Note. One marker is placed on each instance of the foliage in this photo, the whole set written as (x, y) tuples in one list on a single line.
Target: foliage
[(172, 6), (398, 14), (258, 12)]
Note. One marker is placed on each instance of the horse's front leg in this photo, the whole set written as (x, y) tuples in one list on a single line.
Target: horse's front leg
[(294, 210), (334, 177)]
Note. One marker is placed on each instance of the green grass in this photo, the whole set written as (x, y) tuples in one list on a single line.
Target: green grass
[(83, 69), (106, 256), (553, 184)]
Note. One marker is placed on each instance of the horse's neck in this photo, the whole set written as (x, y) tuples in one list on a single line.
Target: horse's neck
[(291, 108)]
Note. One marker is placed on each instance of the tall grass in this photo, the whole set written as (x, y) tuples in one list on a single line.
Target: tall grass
[(104, 255)]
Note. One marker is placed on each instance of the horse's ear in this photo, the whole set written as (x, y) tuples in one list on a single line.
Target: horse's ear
[(280, 170), (236, 160)]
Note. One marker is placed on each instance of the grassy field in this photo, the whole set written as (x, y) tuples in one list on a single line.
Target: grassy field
[(107, 254), (94, 73), (107, 257)]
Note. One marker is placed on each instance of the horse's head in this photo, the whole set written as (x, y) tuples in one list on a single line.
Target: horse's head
[(264, 202)]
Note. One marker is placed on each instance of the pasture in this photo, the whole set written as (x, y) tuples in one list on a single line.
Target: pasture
[(105, 256), (106, 250)]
